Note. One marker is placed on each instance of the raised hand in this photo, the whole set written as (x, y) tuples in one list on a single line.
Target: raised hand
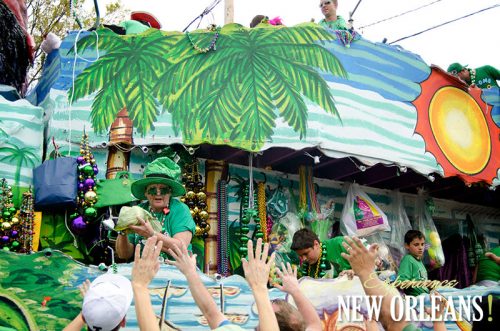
[(146, 266), (257, 266), (183, 259), (288, 276)]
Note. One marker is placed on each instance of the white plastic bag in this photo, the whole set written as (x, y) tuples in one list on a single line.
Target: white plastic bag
[(361, 216), (400, 224), (433, 255)]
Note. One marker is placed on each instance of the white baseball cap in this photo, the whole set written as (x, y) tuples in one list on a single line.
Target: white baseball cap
[(106, 302)]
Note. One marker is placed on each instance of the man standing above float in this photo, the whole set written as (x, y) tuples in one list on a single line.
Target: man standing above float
[(331, 20), (159, 187), (483, 77)]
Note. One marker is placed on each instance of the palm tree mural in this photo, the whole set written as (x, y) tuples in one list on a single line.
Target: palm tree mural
[(231, 95), (19, 156), (123, 79)]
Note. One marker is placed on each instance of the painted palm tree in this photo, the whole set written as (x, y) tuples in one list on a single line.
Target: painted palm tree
[(123, 78), (234, 94), (19, 156)]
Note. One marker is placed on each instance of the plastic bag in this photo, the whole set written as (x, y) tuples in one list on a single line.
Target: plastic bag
[(322, 223), (361, 216), (400, 224), (433, 255), (386, 266)]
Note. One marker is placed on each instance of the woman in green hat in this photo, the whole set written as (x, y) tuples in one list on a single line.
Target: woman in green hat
[(159, 186)]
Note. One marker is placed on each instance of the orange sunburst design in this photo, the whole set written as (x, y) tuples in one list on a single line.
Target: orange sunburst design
[(457, 128)]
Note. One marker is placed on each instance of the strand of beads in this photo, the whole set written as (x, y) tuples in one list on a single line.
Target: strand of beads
[(27, 219), (246, 216), (320, 265), (196, 198), (210, 47), (223, 237), (10, 226), (261, 201), (87, 170)]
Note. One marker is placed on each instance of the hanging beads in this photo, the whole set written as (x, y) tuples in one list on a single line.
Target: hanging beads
[(261, 201), (27, 219), (211, 46), (9, 224), (87, 196), (196, 198), (223, 237)]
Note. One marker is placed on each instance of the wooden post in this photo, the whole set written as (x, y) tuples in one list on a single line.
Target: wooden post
[(228, 11), (214, 171)]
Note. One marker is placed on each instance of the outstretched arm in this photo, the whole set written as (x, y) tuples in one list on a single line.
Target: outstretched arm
[(144, 269), (362, 262), (257, 273), (291, 286), (186, 264)]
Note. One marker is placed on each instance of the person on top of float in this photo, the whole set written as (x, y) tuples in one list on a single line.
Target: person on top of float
[(159, 187), (331, 20), (483, 77)]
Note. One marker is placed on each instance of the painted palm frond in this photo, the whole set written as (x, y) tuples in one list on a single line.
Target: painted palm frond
[(255, 76), (124, 77)]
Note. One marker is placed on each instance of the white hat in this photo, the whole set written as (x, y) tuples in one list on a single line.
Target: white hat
[(106, 302)]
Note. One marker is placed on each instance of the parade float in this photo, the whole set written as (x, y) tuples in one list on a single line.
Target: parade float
[(271, 126)]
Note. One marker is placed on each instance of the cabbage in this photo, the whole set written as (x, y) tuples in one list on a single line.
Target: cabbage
[(128, 216)]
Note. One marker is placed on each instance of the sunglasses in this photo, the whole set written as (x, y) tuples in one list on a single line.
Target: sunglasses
[(154, 190), (326, 3)]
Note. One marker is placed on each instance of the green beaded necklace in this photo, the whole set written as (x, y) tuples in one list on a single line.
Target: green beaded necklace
[(320, 265)]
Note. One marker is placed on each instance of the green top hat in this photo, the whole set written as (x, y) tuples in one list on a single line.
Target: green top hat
[(456, 67), (160, 171)]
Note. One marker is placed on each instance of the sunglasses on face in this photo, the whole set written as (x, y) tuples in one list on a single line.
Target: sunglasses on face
[(154, 190), (326, 3)]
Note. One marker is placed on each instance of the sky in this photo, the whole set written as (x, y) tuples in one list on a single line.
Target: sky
[(474, 40)]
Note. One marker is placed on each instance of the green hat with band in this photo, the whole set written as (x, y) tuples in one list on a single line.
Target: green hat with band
[(161, 171), (456, 67)]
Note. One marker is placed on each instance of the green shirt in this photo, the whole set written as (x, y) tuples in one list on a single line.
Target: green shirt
[(487, 269), (333, 259), (412, 269), (133, 27), (338, 24), (177, 220), (486, 77)]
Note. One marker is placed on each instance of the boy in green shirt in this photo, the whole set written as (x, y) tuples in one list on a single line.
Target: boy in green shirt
[(411, 266), (322, 259)]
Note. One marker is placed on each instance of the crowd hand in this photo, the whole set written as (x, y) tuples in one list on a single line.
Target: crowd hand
[(183, 259), (288, 276), (440, 308), (143, 228), (256, 268), (349, 273), (360, 258), (84, 287), (146, 267)]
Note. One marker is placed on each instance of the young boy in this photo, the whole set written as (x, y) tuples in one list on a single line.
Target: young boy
[(308, 247), (411, 266)]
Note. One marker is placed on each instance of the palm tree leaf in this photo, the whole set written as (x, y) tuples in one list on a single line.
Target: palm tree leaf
[(140, 102), (257, 116), (107, 103), (95, 76), (309, 82), (289, 101), (311, 55)]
